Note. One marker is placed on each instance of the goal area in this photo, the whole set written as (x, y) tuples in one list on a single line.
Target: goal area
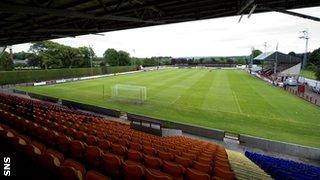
[(129, 93)]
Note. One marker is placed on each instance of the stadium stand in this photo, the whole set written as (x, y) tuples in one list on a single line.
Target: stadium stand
[(74, 145), (244, 168), (284, 169)]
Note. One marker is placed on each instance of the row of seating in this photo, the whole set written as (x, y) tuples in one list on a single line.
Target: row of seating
[(53, 163), (84, 135), (280, 168)]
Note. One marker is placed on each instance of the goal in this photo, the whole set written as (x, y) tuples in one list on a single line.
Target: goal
[(129, 93)]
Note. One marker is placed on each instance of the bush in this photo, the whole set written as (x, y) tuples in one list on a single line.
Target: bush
[(23, 76), (318, 73)]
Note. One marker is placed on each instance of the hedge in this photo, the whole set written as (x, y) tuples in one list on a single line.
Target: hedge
[(24, 76)]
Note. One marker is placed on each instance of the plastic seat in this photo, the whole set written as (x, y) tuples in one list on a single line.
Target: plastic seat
[(193, 174), (63, 143), (94, 175), (185, 162), (80, 135), (228, 175), (189, 155), (77, 149), (91, 140), (152, 162), (93, 156), (133, 170), (135, 146), (111, 164), (149, 150), (165, 156), (118, 150), (52, 138), (101, 135), (152, 174), (174, 169), (124, 142), (104, 144), (112, 138), (134, 155), (72, 170), (51, 162), (206, 168)]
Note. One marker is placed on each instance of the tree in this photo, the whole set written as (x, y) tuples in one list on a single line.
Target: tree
[(111, 57), (314, 57), (6, 63), (255, 53), (292, 53), (124, 58)]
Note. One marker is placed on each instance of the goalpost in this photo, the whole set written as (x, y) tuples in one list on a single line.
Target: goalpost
[(129, 93)]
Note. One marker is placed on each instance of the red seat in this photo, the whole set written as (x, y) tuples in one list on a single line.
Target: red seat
[(152, 162), (72, 170), (52, 138), (149, 150), (133, 170), (206, 168), (80, 135), (63, 143), (104, 144), (192, 174), (118, 150), (91, 140), (152, 174), (175, 170), (111, 164), (124, 142), (228, 175), (94, 175), (51, 161), (135, 146), (93, 156), (134, 155), (77, 149), (165, 156), (185, 162)]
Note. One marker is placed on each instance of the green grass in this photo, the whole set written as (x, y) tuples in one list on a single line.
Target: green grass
[(223, 99), (309, 74)]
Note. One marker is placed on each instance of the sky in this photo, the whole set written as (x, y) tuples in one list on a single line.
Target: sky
[(213, 37)]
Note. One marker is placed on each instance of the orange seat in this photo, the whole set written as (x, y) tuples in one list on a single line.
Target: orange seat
[(152, 174), (165, 156), (189, 155), (94, 175), (72, 170), (193, 174), (175, 170), (124, 142), (111, 164), (91, 140), (104, 144), (152, 162), (63, 143), (51, 161), (80, 135), (93, 156), (77, 149), (149, 150), (185, 162), (134, 155), (52, 138), (135, 146), (228, 175), (118, 150), (133, 171), (206, 168), (112, 138)]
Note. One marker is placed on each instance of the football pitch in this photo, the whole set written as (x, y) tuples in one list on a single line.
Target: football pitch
[(229, 100)]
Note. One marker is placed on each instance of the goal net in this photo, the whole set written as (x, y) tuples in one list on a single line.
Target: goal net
[(129, 93)]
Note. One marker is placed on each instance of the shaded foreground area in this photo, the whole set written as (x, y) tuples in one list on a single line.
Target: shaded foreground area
[(230, 100)]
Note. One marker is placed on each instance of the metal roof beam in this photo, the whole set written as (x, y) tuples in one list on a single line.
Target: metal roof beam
[(8, 8)]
